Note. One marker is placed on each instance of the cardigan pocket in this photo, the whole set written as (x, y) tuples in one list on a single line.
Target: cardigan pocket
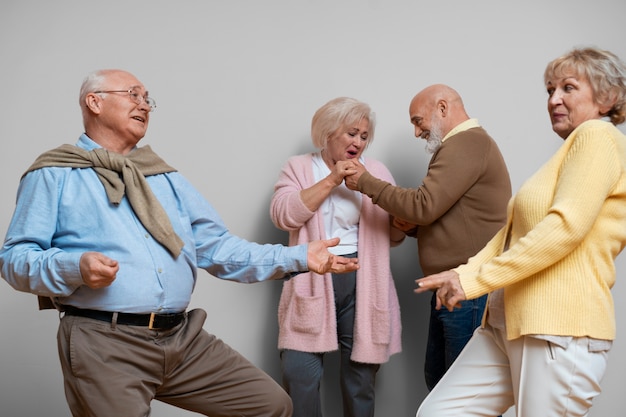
[(381, 326), (307, 314)]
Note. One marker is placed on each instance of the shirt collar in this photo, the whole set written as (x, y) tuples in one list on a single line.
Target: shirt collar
[(461, 127)]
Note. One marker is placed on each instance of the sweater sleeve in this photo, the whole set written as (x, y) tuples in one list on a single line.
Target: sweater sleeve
[(586, 168), (287, 210), (379, 170), (453, 170)]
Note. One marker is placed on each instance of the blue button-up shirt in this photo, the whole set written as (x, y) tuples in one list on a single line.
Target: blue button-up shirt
[(63, 212)]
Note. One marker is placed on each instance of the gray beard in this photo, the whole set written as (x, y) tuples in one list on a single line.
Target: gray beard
[(435, 137), (432, 144)]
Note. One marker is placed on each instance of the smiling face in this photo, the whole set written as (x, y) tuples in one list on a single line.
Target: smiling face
[(348, 142), (571, 102), (421, 118), (427, 123), (117, 122)]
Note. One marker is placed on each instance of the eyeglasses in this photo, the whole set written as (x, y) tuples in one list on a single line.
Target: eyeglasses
[(135, 95)]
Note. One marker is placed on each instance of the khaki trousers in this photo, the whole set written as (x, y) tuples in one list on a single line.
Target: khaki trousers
[(540, 378), (117, 370)]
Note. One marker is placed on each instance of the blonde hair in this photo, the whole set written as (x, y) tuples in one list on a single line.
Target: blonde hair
[(605, 72), (338, 113)]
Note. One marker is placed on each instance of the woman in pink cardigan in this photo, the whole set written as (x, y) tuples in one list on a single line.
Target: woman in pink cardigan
[(356, 312)]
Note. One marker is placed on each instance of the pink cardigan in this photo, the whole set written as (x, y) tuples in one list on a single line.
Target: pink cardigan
[(306, 312)]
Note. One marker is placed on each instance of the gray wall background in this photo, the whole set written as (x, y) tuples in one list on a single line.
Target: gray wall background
[(236, 83)]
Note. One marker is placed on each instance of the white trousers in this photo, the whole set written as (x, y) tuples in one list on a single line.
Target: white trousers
[(540, 378)]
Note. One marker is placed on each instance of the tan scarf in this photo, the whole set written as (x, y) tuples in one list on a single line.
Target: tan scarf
[(121, 175), (133, 168)]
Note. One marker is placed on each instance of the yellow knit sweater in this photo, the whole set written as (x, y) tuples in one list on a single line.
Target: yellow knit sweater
[(566, 225)]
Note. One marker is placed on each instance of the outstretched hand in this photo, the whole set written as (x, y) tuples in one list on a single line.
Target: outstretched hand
[(321, 261), (447, 286)]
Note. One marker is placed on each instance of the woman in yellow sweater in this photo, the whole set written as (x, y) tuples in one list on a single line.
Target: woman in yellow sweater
[(550, 319)]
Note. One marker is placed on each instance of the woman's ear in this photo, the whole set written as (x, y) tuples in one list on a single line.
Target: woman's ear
[(606, 101)]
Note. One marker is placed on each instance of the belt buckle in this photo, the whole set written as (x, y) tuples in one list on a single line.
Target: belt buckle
[(152, 316)]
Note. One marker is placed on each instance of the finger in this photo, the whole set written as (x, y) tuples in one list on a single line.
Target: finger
[(443, 300), (454, 302), (422, 287), (348, 172), (428, 284), (420, 290), (344, 260), (442, 294), (438, 303), (332, 242), (451, 305), (330, 262), (110, 262)]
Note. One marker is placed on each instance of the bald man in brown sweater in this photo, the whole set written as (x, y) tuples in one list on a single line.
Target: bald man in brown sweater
[(459, 206)]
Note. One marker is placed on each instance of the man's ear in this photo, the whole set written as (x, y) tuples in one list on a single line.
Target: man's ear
[(93, 103), (442, 108)]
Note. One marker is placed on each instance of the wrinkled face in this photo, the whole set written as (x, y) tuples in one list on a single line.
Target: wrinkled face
[(421, 118), (119, 113), (348, 142), (435, 134), (427, 123), (570, 102)]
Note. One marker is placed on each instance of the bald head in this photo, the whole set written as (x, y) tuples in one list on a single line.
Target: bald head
[(433, 93), (438, 105)]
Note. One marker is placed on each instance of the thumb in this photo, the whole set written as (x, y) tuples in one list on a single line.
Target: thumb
[(105, 260), (332, 242)]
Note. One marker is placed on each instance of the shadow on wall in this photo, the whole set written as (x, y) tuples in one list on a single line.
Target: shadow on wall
[(400, 383)]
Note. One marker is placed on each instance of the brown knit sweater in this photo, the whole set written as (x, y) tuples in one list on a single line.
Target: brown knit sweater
[(460, 205)]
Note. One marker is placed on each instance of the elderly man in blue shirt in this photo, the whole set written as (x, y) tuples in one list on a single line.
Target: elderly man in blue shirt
[(112, 236)]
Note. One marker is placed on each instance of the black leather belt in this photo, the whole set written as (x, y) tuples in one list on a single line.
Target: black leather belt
[(151, 321)]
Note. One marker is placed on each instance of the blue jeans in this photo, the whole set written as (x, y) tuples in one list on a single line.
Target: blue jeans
[(448, 332), (302, 371)]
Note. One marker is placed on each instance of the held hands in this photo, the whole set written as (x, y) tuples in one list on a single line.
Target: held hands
[(353, 179), (321, 261), (403, 225), (448, 288), (97, 270), (341, 170)]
